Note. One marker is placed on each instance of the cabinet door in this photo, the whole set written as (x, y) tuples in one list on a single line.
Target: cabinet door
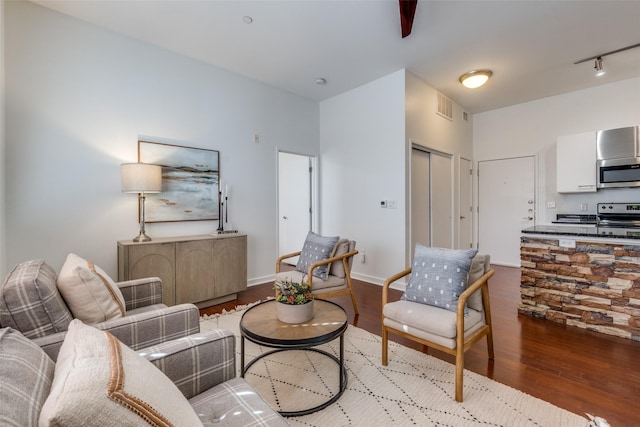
[(155, 260), (194, 271), (576, 163), (230, 265)]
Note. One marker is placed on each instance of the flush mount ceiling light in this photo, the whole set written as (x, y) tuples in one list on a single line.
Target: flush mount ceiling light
[(475, 78), (321, 81), (247, 19), (598, 66)]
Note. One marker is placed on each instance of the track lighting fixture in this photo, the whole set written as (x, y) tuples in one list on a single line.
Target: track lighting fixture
[(598, 58)]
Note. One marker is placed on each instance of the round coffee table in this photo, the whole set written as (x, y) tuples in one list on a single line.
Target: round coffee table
[(260, 325)]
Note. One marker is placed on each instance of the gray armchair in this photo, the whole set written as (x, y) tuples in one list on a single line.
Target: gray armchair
[(201, 366), (31, 303), (452, 332)]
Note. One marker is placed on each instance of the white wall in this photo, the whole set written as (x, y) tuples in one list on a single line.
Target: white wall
[(427, 128), (362, 149), (531, 129), (79, 98), (365, 155), (3, 246)]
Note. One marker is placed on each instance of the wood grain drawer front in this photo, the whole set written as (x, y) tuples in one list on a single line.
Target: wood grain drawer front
[(155, 260)]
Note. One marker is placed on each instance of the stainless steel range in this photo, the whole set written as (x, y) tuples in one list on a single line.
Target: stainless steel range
[(620, 215)]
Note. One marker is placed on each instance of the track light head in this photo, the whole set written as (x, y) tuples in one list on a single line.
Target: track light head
[(598, 67)]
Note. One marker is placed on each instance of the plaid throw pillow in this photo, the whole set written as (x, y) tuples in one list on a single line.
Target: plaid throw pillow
[(316, 248), (439, 276)]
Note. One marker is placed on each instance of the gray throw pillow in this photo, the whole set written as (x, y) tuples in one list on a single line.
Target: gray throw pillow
[(316, 248), (439, 276)]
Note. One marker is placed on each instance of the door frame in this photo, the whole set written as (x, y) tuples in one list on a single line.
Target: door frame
[(471, 211), (314, 191)]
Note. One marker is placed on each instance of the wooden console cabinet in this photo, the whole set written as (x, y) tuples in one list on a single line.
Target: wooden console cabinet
[(204, 270)]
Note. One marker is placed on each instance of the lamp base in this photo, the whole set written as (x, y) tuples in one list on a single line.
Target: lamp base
[(142, 238)]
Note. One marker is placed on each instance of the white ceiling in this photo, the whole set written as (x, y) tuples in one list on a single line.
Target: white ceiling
[(531, 46)]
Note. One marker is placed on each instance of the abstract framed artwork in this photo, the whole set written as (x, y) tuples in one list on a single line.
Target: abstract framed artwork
[(190, 178)]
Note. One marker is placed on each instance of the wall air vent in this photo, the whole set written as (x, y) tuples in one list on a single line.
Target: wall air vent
[(445, 107)]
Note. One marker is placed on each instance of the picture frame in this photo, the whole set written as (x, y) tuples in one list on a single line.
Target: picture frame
[(190, 181)]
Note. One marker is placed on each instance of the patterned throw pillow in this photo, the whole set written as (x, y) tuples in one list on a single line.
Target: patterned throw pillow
[(27, 373), (316, 248), (439, 276)]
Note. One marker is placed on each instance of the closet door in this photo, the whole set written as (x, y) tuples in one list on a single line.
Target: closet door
[(431, 199)]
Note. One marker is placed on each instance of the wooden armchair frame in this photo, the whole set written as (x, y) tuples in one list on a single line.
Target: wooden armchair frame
[(462, 343), (328, 294)]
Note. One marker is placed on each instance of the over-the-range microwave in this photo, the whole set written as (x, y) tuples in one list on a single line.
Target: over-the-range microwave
[(619, 173), (618, 153)]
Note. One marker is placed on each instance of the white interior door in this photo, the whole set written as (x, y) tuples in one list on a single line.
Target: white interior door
[(465, 220), (506, 202), (294, 202)]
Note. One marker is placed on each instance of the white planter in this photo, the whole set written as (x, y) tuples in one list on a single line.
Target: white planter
[(294, 313)]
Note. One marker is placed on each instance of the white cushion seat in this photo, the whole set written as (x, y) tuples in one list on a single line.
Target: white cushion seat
[(428, 322), (332, 282)]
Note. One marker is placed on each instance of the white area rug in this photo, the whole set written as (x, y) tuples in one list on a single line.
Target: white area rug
[(414, 389)]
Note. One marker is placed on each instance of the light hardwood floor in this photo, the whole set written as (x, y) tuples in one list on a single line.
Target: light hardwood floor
[(581, 371)]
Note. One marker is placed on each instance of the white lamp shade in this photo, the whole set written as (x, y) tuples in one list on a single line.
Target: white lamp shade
[(141, 178)]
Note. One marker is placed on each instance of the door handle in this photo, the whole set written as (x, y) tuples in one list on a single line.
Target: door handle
[(285, 217), (462, 217), (530, 218)]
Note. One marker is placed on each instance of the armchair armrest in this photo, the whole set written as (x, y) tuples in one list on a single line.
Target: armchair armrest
[(140, 330), (344, 257), (389, 281), (283, 257), (197, 362), (141, 292), (482, 282)]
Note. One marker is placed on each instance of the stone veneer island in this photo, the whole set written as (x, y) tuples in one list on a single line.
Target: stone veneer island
[(582, 277)]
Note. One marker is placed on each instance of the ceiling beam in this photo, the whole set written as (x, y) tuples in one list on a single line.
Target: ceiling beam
[(407, 12)]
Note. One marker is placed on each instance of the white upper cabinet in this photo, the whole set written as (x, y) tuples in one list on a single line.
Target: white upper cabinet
[(576, 163)]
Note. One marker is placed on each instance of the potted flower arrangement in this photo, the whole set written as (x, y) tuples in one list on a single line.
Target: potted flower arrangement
[(294, 301)]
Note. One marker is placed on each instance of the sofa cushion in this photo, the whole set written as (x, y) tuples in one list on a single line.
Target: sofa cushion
[(316, 248), (439, 276), (99, 378), (235, 396), (26, 373), (30, 301), (89, 292)]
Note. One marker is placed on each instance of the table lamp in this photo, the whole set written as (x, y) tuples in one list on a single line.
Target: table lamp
[(141, 178)]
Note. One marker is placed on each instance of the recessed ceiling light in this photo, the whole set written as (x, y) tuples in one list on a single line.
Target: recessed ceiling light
[(321, 81), (475, 78), (247, 19)]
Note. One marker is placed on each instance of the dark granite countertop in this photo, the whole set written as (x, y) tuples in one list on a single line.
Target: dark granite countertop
[(608, 232)]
